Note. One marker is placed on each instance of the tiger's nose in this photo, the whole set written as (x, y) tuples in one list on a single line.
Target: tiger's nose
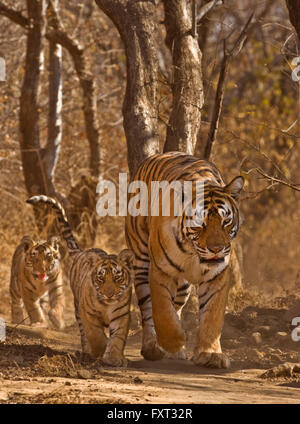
[(109, 293), (215, 249)]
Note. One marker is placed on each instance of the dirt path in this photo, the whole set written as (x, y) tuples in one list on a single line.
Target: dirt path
[(38, 366)]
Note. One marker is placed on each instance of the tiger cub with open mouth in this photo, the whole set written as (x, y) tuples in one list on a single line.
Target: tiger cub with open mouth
[(36, 272), (102, 287)]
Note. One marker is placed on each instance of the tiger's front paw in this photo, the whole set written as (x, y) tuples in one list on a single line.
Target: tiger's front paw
[(152, 351), (181, 355), (114, 360), (211, 360)]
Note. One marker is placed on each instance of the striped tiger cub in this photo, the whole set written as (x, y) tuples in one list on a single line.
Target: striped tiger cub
[(36, 272), (102, 287), (170, 256)]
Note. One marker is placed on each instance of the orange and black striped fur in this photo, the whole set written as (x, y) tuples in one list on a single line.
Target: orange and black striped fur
[(36, 272), (102, 287), (170, 256)]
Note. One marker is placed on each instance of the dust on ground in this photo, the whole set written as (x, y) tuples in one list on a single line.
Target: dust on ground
[(45, 366)]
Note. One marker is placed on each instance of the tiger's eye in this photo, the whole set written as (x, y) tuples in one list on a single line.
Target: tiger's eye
[(195, 236), (101, 272)]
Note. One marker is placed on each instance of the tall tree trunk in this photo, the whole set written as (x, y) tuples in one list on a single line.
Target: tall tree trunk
[(52, 149), (57, 34), (136, 23), (187, 85), (34, 173), (39, 164)]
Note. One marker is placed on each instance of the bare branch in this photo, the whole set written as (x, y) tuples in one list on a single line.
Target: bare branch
[(218, 104), (278, 180), (14, 15), (238, 45), (221, 86), (206, 8)]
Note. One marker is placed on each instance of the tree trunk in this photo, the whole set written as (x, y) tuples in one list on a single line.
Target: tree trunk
[(57, 34), (34, 173), (187, 85), (136, 23), (52, 149), (294, 13), (39, 164)]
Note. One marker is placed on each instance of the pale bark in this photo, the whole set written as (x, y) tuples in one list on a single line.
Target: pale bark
[(187, 84), (136, 23), (52, 149), (57, 34)]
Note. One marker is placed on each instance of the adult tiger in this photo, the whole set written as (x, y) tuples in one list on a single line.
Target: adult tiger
[(36, 272), (102, 287), (170, 256)]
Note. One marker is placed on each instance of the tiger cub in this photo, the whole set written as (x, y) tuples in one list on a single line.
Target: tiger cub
[(102, 287), (35, 272)]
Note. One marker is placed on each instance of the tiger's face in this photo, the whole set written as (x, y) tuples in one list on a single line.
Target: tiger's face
[(113, 275), (42, 258), (215, 222)]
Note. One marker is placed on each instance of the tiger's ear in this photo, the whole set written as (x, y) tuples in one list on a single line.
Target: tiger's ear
[(126, 257), (234, 188), (27, 242)]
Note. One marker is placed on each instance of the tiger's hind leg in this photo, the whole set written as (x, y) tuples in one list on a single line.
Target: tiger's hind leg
[(181, 297), (83, 339), (56, 300)]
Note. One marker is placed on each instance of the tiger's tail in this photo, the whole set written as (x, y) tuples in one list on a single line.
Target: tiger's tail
[(63, 224)]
